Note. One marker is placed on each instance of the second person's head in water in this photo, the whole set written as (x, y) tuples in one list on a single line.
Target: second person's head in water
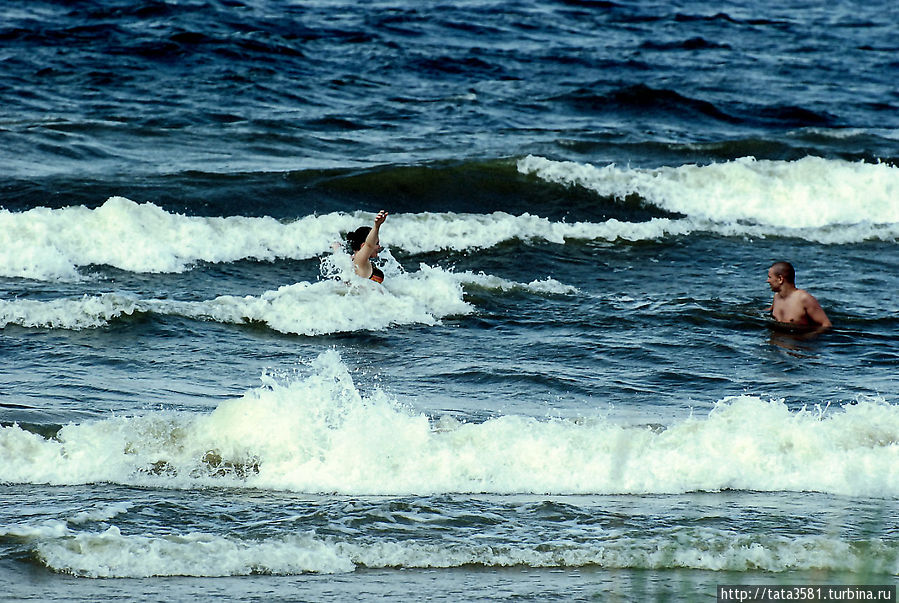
[(365, 244)]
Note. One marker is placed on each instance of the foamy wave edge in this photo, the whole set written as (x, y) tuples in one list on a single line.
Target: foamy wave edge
[(328, 306), (825, 201), (812, 198), (319, 434), (111, 554)]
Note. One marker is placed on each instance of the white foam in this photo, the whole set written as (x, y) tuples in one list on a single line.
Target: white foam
[(332, 305), (100, 513), (461, 232), (319, 434), (548, 285), (829, 201), (48, 529), (810, 193), (52, 244), (78, 313), (112, 554), (41, 530)]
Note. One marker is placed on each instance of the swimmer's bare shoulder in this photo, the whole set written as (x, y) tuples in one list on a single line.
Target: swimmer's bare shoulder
[(799, 309)]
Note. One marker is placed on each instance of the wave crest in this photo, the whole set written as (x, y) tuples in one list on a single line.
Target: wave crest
[(811, 193), (319, 434)]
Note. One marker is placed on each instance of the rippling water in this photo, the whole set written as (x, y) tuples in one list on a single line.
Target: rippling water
[(566, 387)]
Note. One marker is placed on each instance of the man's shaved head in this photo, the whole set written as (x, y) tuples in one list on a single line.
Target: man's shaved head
[(785, 269)]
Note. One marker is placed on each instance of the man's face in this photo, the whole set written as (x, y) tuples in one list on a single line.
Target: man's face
[(775, 281)]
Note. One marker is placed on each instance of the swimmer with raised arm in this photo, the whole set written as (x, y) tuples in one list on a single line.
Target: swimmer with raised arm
[(793, 306), (365, 244)]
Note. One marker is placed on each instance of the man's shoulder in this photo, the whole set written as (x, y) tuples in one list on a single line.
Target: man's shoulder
[(807, 298)]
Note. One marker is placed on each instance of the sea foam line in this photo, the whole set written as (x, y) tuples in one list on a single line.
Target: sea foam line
[(331, 305), (810, 193), (319, 434), (112, 554), (47, 244), (828, 201)]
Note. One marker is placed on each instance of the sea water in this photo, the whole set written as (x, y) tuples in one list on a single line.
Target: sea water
[(567, 387)]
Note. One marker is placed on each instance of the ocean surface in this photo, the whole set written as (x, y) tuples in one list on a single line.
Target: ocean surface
[(567, 387)]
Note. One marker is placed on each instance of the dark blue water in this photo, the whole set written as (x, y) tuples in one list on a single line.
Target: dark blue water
[(567, 386)]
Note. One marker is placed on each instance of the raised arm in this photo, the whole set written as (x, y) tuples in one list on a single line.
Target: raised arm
[(373, 239), (370, 247)]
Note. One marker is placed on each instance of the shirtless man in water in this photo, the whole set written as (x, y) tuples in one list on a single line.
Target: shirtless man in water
[(792, 306)]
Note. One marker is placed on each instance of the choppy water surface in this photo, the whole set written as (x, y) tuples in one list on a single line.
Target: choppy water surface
[(566, 387)]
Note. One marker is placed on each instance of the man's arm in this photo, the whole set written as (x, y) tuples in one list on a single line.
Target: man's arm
[(816, 313)]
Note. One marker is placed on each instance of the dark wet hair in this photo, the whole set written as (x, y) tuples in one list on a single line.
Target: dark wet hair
[(785, 269), (356, 238)]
